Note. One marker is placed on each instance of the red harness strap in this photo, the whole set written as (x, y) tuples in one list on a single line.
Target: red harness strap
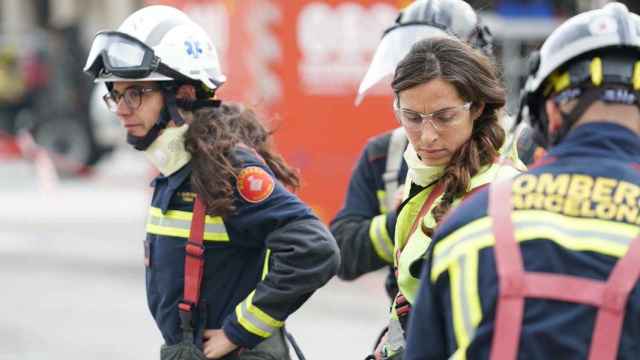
[(515, 284), (437, 191), (194, 259)]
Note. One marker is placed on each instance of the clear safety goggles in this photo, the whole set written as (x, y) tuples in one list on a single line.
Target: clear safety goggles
[(394, 46), (122, 55), (441, 120)]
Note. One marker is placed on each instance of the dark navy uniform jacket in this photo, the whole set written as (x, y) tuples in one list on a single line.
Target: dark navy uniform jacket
[(261, 264), (364, 227), (574, 216)]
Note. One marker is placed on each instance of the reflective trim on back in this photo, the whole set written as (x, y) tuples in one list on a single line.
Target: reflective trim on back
[(458, 254), (572, 233)]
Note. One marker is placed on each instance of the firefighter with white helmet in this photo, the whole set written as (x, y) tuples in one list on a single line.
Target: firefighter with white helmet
[(230, 252), (546, 265)]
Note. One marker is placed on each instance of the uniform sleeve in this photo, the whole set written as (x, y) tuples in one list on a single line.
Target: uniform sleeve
[(430, 334), (303, 256), (363, 233), (426, 332)]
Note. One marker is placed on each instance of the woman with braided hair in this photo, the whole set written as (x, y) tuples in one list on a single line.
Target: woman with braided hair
[(449, 99)]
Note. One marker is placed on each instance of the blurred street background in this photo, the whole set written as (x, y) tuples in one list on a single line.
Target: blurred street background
[(74, 196), (71, 267)]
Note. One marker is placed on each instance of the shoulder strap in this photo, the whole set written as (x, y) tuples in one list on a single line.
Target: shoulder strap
[(397, 144), (193, 268), (515, 284), (435, 193)]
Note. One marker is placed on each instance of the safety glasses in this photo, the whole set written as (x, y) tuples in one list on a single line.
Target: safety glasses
[(441, 120), (120, 54)]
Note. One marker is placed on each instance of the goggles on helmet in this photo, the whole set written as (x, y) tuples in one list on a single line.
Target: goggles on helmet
[(121, 55)]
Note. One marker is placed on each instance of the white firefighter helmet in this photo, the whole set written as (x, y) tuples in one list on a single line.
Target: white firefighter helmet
[(157, 43)]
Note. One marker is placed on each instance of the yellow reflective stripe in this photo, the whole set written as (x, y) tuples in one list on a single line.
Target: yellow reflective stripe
[(380, 238), (248, 325), (165, 231), (577, 234), (465, 301), (255, 320), (265, 266), (558, 82), (382, 201), (596, 71), (178, 224), (456, 311), (636, 76), (183, 215), (479, 231), (472, 291)]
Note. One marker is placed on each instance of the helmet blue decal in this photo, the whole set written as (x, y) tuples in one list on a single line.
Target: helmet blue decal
[(193, 48)]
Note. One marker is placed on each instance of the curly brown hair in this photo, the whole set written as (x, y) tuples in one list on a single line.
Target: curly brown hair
[(475, 78), (211, 138)]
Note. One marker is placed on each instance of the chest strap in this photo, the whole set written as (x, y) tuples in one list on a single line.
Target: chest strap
[(397, 143), (193, 270), (515, 284)]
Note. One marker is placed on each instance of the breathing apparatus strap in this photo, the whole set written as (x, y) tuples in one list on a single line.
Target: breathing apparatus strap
[(588, 97), (141, 143)]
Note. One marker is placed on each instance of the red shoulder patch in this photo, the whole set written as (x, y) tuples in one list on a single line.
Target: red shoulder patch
[(255, 184)]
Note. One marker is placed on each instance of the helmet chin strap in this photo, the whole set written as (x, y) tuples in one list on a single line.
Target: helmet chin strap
[(169, 112), (569, 119), (141, 143)]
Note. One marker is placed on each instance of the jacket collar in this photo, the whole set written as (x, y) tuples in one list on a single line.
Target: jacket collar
[(600, 139), (176, 179)]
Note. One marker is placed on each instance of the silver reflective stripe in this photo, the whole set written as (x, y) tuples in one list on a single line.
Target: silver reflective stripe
[(255, 321), (185, 225), (158, 32), (464, 299), (378, 227), (523, 225)]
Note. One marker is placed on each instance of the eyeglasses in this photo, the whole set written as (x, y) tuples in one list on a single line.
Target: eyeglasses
[(441, 120), (132, 97)]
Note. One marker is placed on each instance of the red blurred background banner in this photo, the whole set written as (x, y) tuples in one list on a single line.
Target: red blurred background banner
[(300, 63)]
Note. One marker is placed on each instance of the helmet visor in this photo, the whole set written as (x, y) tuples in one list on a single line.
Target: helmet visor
[(115, 53), (393, 47)]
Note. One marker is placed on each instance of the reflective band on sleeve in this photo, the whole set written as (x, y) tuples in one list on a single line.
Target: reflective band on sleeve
[(178, 224), (255, 320), (380, 238), (465, 302), (265, 265), (382, 196)]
